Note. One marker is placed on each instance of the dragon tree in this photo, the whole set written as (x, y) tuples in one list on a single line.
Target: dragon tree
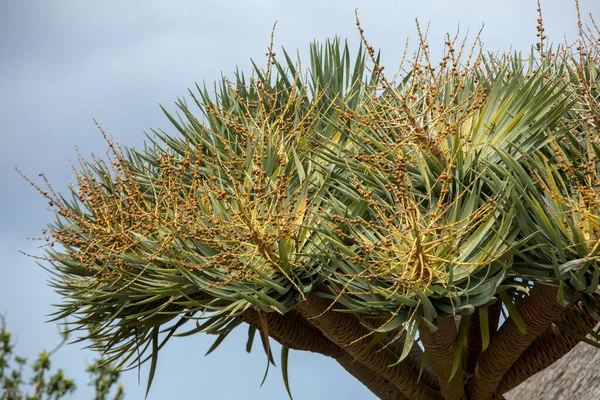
[(434, 229)]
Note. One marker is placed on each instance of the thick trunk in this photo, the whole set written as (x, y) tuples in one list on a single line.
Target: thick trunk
[(440, 349), (295, 332), (537, 311), (414, 360), (548, 348), (510, 359), (345, 330), (474, 344), (377, 384), (415, 356)]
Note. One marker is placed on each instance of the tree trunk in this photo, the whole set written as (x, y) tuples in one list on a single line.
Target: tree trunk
[(414, 360), (440, 349), (548, 348), (293, 331), (378, 385), (346, 332), (537, 311), (474, 344)]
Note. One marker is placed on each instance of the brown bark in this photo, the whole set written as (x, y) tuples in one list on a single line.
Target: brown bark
[(377, 384), (474, 345), (537, 311), (346, 332), (548, 348), (295, 332), (440, 347), (414, 359), (292, 331)]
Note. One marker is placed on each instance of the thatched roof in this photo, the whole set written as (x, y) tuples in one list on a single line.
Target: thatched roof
[(576, 376)]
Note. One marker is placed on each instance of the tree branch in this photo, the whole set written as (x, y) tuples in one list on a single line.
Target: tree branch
[(292, 331), (296, 333), (537, 311), (380, 386), (396, 345), (414, 360), (346, 332), (548, 348), (440, 348), (474, 344)]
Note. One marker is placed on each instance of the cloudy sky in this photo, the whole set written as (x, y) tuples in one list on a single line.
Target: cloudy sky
[(65, 62)]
